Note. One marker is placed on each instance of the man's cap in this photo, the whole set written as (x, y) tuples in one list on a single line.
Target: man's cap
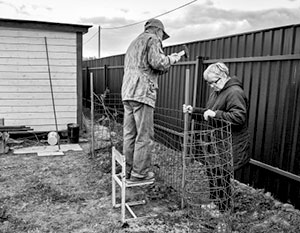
[(156, 23)]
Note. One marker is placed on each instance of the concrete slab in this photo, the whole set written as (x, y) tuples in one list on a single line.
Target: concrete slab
[(48, 149)]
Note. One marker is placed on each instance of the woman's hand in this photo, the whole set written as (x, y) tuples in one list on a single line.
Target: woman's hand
[(187, 109), (209, 113)]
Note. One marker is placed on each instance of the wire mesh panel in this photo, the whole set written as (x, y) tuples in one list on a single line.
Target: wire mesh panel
[(194, 157), (209, 168), (167, 151), (107, 127)]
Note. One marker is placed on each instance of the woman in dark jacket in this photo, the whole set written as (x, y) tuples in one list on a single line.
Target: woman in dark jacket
[(227, 102)]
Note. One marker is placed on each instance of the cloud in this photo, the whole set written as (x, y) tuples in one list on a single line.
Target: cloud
[(203, 21), (107, 22), (124, 10), (276, 17), (27, 10), (17, 9), (208, 21), (209, 14)]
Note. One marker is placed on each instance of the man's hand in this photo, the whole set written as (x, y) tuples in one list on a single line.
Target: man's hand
[(187, 109), (174, 58), (209, 113)]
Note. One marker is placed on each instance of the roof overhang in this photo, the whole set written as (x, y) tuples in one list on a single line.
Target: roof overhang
[(50, 26)]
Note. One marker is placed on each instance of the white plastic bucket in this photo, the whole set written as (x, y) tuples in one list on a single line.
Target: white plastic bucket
[(53, 138)]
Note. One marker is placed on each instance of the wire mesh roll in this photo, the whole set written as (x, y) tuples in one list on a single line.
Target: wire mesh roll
[(209, 169)]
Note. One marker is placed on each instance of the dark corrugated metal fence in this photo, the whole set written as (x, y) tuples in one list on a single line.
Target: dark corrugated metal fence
[(267, 62)]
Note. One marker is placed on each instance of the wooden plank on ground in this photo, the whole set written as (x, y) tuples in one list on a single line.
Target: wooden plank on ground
[(50, 153)]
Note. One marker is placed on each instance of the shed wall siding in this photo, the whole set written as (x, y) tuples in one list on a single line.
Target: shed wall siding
[(25, 92)]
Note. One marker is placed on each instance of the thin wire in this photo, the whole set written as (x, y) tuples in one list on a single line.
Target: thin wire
[(91, 37), (133, 24), (168, 12)]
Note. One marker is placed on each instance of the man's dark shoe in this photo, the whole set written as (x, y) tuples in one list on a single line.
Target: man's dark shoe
[(150, 176)]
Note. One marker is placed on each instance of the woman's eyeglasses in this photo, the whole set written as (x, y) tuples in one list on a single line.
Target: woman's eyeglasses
[(213, 82)]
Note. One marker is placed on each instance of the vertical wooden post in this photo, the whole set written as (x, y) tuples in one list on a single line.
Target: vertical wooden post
[(86, 87), (92, 113), (123, 191), (185, 135), (113, 171), (2, 140)]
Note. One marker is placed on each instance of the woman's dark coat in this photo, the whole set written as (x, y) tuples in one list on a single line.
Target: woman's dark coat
[(231, 104)]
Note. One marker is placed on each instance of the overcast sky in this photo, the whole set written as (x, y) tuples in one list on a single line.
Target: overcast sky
[(202, 19)]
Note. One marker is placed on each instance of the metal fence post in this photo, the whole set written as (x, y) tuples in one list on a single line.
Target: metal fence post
[(106, 81), (185, 136), (92, 113)]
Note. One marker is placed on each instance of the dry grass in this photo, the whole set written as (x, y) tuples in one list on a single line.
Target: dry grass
[(54, 194), (72, 193)]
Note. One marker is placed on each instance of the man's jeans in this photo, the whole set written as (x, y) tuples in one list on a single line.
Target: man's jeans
[(138, 136)]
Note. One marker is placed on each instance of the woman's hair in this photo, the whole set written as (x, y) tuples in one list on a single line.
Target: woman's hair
[(218, 68)]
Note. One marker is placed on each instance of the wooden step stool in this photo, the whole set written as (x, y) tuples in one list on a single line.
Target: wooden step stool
[(120, 179)]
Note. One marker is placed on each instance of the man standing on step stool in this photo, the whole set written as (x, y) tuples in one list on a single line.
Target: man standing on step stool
[(144, 62)]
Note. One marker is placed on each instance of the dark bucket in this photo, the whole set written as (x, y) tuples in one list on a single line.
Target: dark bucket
[(73, 132)]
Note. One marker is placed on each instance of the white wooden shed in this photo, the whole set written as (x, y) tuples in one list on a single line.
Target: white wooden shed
[(25, 91)]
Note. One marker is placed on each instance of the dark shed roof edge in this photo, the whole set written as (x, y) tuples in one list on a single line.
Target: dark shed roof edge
[(50, 26)]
